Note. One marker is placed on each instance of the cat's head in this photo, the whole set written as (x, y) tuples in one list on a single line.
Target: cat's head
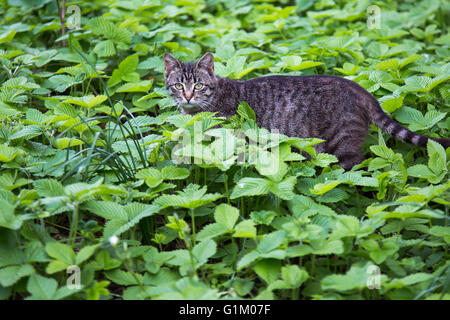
[(191, 84)]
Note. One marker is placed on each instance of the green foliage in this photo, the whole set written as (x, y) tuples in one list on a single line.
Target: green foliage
[(99, 170)]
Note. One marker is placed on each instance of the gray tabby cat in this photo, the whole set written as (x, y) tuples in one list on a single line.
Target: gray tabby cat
[(320, 106)]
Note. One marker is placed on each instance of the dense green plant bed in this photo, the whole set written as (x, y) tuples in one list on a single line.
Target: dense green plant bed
[(107, 191)]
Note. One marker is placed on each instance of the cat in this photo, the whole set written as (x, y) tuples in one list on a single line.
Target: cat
[(328, 107)]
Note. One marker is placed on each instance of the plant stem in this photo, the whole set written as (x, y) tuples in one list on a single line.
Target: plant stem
[(226, 187), (62, 14), (193, 225), (74, 227)]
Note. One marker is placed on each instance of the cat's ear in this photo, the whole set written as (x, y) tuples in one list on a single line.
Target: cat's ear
[(170, 62), (206, 62)]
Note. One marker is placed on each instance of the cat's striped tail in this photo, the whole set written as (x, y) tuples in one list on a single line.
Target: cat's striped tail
[(395, 129)]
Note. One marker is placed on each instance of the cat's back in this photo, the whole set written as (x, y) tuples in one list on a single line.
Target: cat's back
[(303, 105)]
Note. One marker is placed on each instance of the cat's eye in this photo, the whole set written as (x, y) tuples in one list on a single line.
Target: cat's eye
[(179, 86), (198, 86)]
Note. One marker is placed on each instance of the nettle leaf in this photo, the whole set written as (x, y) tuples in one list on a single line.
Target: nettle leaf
[(324, 159), (152, 176), (48, 188), (328, 247), (250, 187), (416, 121), (7, 36), (107, 210), (62, 82), (390, 64), (348, 69), (7, 154), (141, 86), (41, 288), (349, 226), (191, 197), (88, 101), (263, 216), (410, 280), (355, 279), (63, 143), (124, 278), (85, 253), (7, 217), (245, 229), (383, 152), (61, 252), (271, 241), (174, 173), (268, 269), (440, 231), (226, 215), (27, 133), (125, 71), (212, 230), (380, 253), (322, 188), (203, 251), (437, 158), (122, 218), (11, 274), (105, 48), (292, 277), (245, 111), (284, 189)]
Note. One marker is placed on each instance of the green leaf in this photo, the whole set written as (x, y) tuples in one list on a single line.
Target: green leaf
[(226, 215), (63, 143), (7, 217), (410, 280), (41, 288), (322, 188), (7, 36), (124, 278), (174, 173), (324, 159), (107, 210), (88, 101), (141, 86), (105, 48), (271, 241), (85, 253), (152, 176), (355, 278), (245, 111), (294, 276), (329, 247), (245, 229), (437, 157), (203, 251), (61, 252), (284, 189), (7, 154), (11, 274), (268, 269), (191, 197), (48, 188), (250, 187), (212, 230)]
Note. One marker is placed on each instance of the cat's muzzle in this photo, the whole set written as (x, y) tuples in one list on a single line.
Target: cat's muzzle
[(189, 108)]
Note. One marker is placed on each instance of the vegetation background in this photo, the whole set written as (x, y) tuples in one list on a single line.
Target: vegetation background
[(93, 204)]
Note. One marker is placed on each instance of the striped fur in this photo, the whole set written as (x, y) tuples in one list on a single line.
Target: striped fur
[(395, 129), (327, 107)]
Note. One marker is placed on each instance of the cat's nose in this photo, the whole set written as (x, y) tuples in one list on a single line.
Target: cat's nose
[(188, 96)]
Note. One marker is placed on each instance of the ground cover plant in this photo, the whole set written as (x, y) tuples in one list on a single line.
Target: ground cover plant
[(108, 192)]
